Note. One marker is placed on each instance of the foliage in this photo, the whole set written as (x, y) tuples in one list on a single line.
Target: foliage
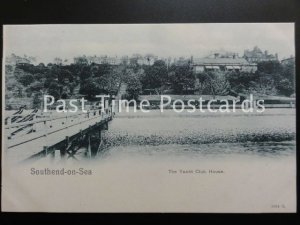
[(97, 79), (269, 67), (25, 78), (213, 83), (134, 85), (90, 79), (182, 79), (90, 87), (36, 102), (286, 87), (272, 78), (155, 76)]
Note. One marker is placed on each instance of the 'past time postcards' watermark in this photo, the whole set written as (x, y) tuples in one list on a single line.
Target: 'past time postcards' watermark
[(178, 105)]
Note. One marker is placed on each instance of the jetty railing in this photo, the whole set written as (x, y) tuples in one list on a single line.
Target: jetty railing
[(48, 122)]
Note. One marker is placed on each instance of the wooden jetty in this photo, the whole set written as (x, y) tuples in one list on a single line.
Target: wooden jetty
[(54, 134)]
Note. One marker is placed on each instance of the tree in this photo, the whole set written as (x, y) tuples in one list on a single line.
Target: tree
[(58, 61), (149, 57), (134, 86), (182, 79), (269, 67), (65, 75), (36, 101), (55, 89), (113, 80), (288, 74), (285, 87), (236, 78), (216, 83), (85, 73), (81, 60), (38, 76), (23, 77), (35, 87), (91, 87), (220, 86), (155, 76), (101, 70)]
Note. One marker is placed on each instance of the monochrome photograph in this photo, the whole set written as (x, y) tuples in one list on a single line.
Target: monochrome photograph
[(182, 117)]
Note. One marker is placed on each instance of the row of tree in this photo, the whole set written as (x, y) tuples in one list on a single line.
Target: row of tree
[(271, 78), (66, 81), (90, 79)]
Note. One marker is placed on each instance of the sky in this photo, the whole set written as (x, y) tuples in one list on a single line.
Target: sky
[(45, 42)]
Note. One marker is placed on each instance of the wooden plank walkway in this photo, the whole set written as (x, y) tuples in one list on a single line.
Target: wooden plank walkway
[(46, 130)]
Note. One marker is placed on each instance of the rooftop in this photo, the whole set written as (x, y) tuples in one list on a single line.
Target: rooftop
[(220, 61)]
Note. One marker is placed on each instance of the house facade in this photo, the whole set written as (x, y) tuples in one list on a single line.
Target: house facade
[(223, 64), (104, 60), (257, 55)]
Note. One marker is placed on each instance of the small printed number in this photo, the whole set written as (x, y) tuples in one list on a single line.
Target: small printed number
[(278, 206)]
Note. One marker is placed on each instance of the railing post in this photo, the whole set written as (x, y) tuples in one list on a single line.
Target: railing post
[(8, 129), (66, 123), (67, 142), (89, 149), (45, 128), (52, 155), (34, 124), (45, 149), (57, 155), (64, 149), (99, 133)]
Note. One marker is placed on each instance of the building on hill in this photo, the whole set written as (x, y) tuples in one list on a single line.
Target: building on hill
[(288, 61), (257, 55), (14, 60), (146, 60), (104, 60), (223, 64), (222, 54)]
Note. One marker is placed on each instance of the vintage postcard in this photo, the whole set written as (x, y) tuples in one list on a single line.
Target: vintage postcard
[(149, 118)]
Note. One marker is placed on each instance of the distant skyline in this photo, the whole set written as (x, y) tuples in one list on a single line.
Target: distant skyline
[(45, 42)]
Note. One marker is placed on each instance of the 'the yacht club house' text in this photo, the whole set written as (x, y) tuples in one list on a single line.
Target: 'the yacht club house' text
[(196, 171)]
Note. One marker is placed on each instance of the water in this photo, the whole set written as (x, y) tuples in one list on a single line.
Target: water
[(255, 152), (201, 136)]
